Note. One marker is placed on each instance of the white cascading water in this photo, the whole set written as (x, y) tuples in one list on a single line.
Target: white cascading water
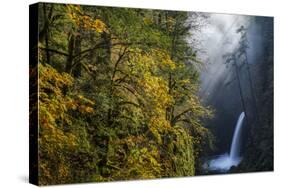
[(225, 162), (235, 145)]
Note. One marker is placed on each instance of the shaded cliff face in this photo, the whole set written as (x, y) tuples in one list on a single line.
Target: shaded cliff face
[(232, 89)]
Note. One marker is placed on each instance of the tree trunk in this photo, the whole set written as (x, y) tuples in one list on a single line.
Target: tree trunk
[(77, 49), (69, 61), (240, 90), (106, 37), (45, 33), (251, 86)]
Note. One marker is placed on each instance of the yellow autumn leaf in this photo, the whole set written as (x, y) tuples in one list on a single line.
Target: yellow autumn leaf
[(89, 109), (99, 26)]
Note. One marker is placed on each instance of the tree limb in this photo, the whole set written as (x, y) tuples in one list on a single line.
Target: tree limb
[(54, 51), (175, 119)]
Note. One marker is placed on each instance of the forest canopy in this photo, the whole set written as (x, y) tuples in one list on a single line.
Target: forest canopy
[(117, 95)]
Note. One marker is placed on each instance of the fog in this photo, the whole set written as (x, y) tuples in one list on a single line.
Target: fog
[(217, 37)]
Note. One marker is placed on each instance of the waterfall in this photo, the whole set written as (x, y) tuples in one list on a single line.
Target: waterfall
[(225, 161), (235, 145)]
